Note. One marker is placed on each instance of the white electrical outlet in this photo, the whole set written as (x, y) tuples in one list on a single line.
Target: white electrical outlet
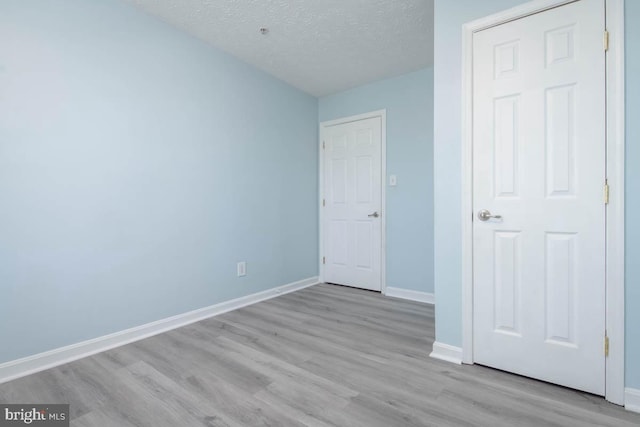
[(242, 268)]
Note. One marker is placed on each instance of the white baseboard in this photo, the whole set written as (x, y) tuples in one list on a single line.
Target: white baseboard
[(59, 356), (447, 352), (632, 399), (410, 295)]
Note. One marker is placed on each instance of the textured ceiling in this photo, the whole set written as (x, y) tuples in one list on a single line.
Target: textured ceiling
[(319, 46)]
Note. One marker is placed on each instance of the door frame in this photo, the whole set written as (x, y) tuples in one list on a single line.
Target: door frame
[(615, 152), (382, 114)]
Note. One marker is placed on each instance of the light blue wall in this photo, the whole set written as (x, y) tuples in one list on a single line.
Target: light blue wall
[(449, 18), (137, 166), (408, 100), (632, 198)]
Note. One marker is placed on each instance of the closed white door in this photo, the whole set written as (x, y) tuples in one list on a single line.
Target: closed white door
[(352, 203), (539, 164)]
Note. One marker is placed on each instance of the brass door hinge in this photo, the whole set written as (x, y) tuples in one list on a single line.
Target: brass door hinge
[(323, 202), (324, 260), (606, 346), (323, 145), (606, 192), (605, 40)]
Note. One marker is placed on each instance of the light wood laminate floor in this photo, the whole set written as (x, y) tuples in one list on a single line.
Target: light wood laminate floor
[(323, 356)]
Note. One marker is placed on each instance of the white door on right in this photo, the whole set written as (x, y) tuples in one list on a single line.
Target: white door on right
[(539, 163)]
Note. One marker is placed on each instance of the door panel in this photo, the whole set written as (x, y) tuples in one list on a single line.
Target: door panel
[(507, 282), (560, 287), (352, 238), (539, 163), (506, 146)]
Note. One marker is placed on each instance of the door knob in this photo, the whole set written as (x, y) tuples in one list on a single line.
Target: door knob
[(374, 215), (485, 215)]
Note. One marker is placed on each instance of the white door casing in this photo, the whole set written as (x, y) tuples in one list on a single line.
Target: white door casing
[(352, 201), (539, 158)]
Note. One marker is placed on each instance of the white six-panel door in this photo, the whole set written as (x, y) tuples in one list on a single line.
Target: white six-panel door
[(539, 164), (352, 203)]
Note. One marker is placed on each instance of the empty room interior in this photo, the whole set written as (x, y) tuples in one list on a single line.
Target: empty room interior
[(319, 213)]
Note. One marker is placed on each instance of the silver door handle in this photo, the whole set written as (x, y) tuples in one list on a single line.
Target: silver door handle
[(374, 215), (485, 215)]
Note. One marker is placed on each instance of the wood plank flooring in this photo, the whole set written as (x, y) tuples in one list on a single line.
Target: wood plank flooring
[(324, 356)]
